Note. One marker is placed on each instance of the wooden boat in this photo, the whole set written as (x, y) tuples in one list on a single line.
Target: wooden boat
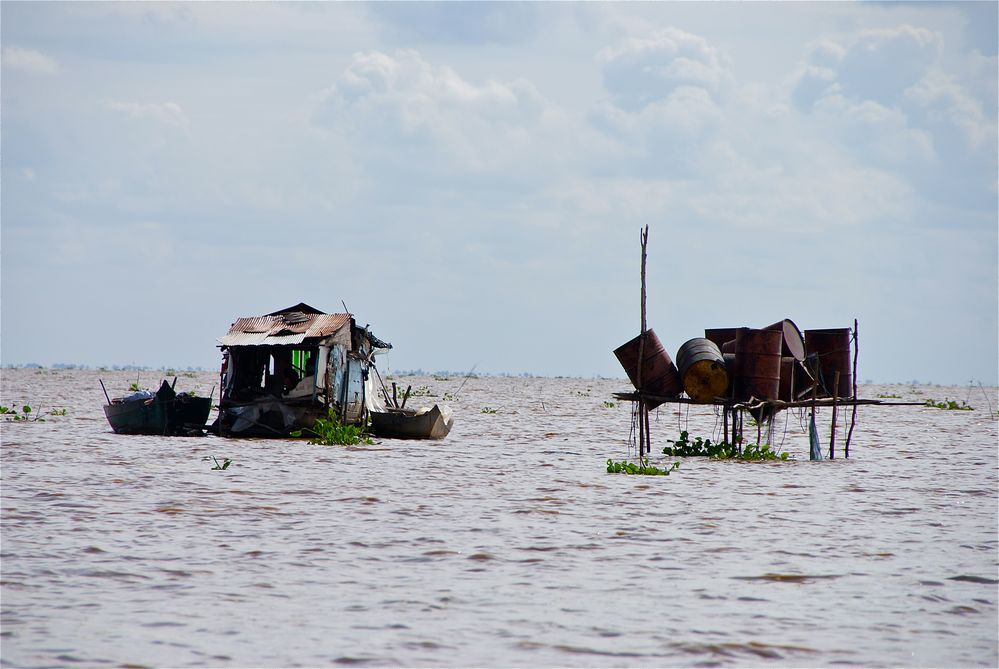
[(164, 412), (411, 423)]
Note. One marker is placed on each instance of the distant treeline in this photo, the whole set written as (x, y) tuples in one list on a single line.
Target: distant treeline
[(441, 374), (102, 368)]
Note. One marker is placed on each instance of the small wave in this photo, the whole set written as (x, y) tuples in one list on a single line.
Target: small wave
[(788, 578), (974, 579), (754, 648)]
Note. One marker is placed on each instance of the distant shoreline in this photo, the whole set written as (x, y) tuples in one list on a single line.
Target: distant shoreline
[(443, 374)]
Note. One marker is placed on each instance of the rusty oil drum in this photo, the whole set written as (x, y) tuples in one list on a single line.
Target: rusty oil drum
[(719, 336), (659, 374), (702, 370), (794, 343), (831, 348), (757, 363), (788, 363)]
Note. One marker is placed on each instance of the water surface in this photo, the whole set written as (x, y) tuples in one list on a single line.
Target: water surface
[(507, 544)]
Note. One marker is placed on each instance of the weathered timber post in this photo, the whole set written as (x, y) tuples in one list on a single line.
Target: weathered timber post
[(643, 412), (832, 432), (853, 417)]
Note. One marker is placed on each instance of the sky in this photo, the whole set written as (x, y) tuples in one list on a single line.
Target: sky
[(471, 179)]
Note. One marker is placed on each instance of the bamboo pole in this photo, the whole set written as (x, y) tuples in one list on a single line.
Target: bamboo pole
[(643, 411), (853, 417), (832, 431), (106, 396)]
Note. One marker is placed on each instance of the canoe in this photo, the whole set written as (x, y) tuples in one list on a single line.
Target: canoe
[(412, 423), (164, 413)]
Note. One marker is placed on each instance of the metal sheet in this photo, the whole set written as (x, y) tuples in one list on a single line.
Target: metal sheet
[(276, 331)]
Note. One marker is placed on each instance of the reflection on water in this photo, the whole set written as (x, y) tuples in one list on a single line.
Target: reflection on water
[(506, 544)]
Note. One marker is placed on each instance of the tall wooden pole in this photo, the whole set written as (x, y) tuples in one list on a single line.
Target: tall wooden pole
[(853, 416), (832, 432), (643, 411)]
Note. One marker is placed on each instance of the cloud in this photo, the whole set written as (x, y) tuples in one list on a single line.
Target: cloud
[(431, 118), (944, 100), (643, 70), (29, 60), (167, 113), (895, 98), (663, 139), (458, 22), (879, 65)]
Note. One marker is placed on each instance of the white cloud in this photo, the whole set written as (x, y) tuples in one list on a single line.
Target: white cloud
[(29, 60), (167, 113), (945, 100), (419, 111), (874, 64), (876, 134), (881, 64), (643, 70)]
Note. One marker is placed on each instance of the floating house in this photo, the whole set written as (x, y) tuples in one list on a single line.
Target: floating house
[(283, 370)]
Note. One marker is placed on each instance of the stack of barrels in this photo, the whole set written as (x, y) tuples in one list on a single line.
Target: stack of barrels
[(780, 362), (777, 362)]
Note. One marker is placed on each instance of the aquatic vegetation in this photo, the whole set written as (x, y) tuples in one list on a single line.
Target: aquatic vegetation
[(438, 377), (758, 452), (488, 410), (57, 412), (720, 450), (330, 431), (609, 405), (643, 468), (134, 387), (11, 414), (949, 405), (422, 391), (685, 447), (218, 466), (449, 397), (889, 397)]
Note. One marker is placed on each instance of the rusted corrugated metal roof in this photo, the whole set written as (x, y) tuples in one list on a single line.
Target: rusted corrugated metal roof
[(286, 328)]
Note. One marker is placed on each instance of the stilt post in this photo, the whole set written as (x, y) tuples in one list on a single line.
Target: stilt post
[(832, 430), (853, 416), (643, 412)]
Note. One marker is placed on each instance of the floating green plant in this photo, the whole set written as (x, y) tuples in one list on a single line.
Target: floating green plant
[(609, 405), (220, 466), (488, 410), (422, 391), (643, 468), (687, 447), (949, 405), (720, 450), (57, 412), (330, 431), (889, 397), (11, 414), (758, 452)]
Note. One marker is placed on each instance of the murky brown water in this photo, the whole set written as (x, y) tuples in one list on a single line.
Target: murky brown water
[(506, 544)]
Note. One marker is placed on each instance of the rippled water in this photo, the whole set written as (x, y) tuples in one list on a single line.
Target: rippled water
[(506, 544)]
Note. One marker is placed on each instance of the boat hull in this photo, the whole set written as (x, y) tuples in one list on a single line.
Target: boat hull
[(181, 415), (411, 425)]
